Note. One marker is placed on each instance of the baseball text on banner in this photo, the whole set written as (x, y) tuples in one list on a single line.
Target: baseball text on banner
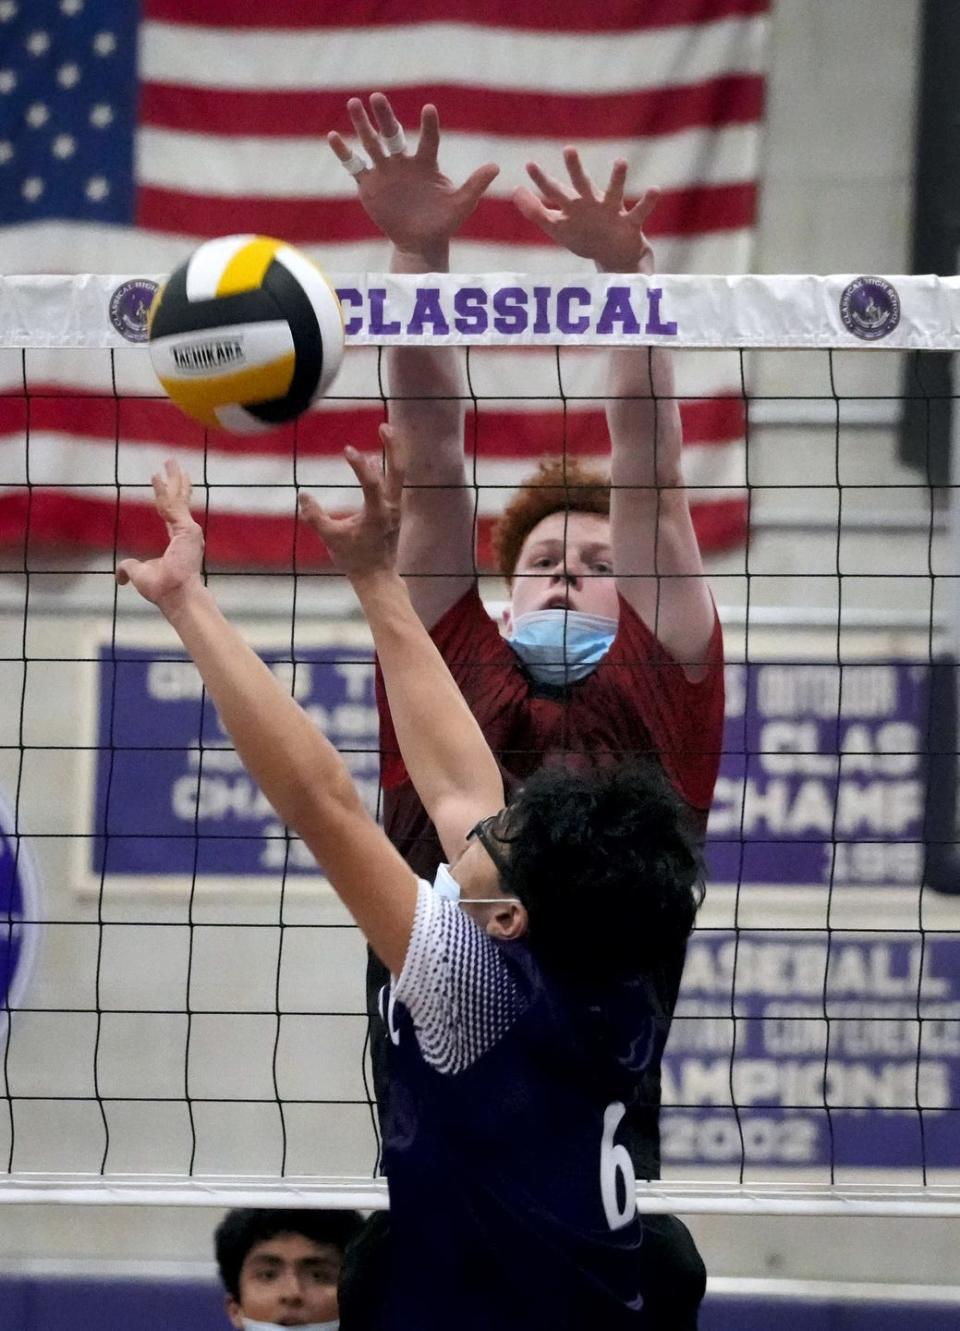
[(795, 1050)]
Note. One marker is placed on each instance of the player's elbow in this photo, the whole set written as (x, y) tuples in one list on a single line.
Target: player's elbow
[(455, 815), (317, 799)]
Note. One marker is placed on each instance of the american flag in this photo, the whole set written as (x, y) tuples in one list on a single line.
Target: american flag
[(130, 132)]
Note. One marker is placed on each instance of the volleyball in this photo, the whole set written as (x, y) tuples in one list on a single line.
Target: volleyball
[(246, 334)]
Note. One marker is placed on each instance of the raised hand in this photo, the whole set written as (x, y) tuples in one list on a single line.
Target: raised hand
[(596, 225), (163, 579), (415, 205), (366, 541)]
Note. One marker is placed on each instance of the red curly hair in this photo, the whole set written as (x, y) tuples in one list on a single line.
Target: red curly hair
[(559, 485)]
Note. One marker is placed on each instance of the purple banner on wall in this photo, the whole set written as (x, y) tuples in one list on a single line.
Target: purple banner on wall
[(843, 1050), (821, 777), (820, 780), (171, 795)]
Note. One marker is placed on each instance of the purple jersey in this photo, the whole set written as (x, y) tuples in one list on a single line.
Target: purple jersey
[(511, 1191)]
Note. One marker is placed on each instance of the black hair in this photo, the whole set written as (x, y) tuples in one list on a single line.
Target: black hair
[(241, 1229), (607, 865)]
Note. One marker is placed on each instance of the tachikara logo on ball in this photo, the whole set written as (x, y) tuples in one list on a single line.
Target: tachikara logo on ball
[(246, 334), (198, 357), (870, 308)]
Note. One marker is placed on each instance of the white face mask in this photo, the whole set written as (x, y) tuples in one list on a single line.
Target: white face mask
[(445, 885), (448, 889), (251, 1325), (561, 646)]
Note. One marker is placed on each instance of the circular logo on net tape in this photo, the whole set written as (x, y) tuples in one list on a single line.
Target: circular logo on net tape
[(19, 906), (870, 308), (129, 307)]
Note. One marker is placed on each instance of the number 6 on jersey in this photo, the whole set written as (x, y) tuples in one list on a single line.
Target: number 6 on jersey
[(616, 1168)]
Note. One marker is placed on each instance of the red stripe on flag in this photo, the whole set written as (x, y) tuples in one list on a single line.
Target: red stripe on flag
[(491, 432), (721, 524), (699, 210), (508, 434), (733, 100), (561, 16), (48, 520)]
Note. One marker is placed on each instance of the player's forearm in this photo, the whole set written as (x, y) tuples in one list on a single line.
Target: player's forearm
[(440, 741), (426, 408), (643, 418), (296, 767), (427, 389), (302, 776)]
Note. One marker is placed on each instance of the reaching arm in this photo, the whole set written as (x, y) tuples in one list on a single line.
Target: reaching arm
[(419, 210), (295, 766), (443, 748), (655, 551)]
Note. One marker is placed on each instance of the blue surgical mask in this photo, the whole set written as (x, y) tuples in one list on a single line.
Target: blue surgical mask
[(561, 646), (251, 1325), (445, 885)]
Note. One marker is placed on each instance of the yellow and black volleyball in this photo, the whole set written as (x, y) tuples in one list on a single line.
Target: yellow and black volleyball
[(246, 333)]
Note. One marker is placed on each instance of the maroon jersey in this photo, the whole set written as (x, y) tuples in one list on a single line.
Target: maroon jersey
[(638, 701)]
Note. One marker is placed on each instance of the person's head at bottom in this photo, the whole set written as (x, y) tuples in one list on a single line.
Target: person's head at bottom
[(594, 866), (280, 1267)]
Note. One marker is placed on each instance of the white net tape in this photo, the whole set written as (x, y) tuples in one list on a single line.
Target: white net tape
[(512, 309)]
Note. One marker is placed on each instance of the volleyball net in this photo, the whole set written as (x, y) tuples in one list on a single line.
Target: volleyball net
[(183, 1018)]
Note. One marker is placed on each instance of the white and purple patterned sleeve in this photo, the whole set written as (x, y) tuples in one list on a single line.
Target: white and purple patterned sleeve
[(461, 995)]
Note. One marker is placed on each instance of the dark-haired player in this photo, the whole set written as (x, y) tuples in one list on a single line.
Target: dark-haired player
[(280, 1267), (610, 644), (522, 1012)]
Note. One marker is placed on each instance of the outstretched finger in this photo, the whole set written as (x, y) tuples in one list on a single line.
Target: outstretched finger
[(366, 133), (368, 472), (179, 479), (428, 145), (340, 146), (477, 184), (311, 511), (161, 486), (125, 571), (394, 470), (172, 490), (613, 194), (644, 206), (552, 189), (532, 208), (575, 170), (384, 114), (319, 519)]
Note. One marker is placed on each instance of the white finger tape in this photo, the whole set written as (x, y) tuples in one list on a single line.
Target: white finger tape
[(355, 164), (396, 143)]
